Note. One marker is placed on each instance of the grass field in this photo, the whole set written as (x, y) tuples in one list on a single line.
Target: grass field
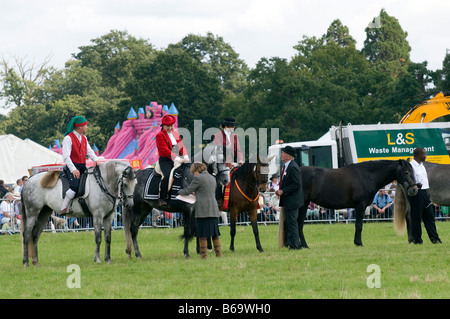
[(332, 268)]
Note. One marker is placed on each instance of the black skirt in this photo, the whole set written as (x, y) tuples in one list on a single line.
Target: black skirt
[(207, 227)]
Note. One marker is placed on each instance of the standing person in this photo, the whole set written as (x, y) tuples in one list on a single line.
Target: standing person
[(206, 209), (227, 138), (3, 189), (170, 149), (291, 197), (75, 149), (421, 205)]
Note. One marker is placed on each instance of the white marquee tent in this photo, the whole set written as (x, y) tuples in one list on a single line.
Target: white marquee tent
[(17, 156)]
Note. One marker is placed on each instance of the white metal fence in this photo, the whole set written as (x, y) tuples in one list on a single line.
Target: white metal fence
[(158, 219)]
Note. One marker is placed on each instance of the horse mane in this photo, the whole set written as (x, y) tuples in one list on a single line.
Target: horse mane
[(242, 171), (50, 179)]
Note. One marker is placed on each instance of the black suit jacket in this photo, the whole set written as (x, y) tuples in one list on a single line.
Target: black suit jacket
[(292, 197)]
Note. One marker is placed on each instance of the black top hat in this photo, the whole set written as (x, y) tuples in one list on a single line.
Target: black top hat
[(289, 150), (229, 121)]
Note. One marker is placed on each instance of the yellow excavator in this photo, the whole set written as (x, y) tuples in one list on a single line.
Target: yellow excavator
[(428, 110)]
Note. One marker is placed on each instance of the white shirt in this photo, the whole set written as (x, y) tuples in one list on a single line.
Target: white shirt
[(172, 139), (227, 134), (420, 174), (67, 149)]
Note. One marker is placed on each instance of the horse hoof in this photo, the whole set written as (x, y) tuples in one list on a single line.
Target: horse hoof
[(26, 264), (97, 260), (187, 256), (261, 250)]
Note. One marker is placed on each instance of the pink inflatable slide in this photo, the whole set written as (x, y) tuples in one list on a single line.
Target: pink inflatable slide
[(136, 138)]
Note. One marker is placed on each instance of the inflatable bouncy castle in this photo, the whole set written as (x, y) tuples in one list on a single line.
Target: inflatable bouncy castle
[(136, 139)]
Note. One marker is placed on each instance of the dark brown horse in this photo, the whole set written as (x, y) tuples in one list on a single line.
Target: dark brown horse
[(246, 183)]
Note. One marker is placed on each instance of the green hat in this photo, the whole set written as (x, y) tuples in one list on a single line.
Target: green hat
[(77, 121)]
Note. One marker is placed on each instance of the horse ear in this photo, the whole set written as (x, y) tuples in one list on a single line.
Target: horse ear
[(408, 159)]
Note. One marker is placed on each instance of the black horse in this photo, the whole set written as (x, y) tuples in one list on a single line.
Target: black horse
[(352, 186), (135, 216)]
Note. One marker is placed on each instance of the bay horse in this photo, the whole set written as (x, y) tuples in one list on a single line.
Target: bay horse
[(352, 186), (246, 183), (42, 194), (134, 216), (438, 178)]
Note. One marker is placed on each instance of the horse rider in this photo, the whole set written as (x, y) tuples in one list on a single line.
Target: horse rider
[(227, 138), (75, 148), (170, 149)]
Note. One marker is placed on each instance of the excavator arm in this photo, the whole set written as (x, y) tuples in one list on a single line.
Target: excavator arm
[(428, 110)]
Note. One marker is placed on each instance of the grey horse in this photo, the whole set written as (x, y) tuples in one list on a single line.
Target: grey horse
[(42, 194)]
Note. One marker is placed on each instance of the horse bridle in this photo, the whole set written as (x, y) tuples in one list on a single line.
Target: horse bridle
[(258, 182), (101, 183)]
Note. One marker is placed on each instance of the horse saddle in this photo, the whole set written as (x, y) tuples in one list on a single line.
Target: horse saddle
[(152, 186), (83, 190)]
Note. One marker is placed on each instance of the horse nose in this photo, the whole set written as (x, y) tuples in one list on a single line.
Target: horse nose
[(129, 204), (413, 191)]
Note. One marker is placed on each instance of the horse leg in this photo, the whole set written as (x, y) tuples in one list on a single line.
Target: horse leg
[(233, 216), (27, 242), (189, 230), (358, 225), (39, 226), (254, 222), (98, 223), (107, 222), (301, 222), (126, 218)]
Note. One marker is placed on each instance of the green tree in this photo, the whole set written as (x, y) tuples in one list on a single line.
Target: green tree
[(115, 55), (441, 77), (386, 45), (213, 52), (21, 81), (175, 77), (339, 34)]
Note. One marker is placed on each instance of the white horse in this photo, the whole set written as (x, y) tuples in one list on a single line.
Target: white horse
[(42, 194)]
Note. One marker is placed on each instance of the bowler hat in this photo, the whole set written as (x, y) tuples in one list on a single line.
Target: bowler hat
[(289, 150), (229, 121)]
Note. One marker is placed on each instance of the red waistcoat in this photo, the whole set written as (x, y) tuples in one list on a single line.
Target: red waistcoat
[(79, 150)]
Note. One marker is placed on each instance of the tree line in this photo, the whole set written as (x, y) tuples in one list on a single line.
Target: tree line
[(327, 81)]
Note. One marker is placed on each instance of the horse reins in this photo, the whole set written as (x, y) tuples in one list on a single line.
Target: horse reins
[(101, 183), (258, 181), (243, 194)]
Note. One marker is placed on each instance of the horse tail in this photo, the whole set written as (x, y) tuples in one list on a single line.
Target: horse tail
[(400, 208), (50, 179)]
